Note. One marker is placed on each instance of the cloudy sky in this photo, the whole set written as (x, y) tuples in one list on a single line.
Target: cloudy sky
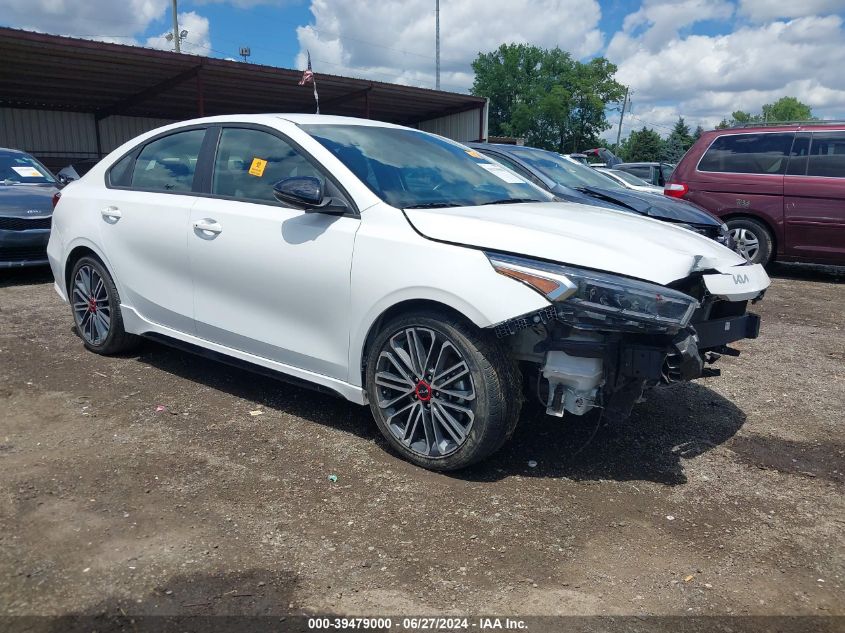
[(701, 59)]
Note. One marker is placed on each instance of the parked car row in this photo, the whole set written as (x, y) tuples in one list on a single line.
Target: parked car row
[(567, 179), (401, 270)]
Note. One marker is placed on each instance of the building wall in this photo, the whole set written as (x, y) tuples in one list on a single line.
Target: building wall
[(57, 138), (48, 134), (461, 126)]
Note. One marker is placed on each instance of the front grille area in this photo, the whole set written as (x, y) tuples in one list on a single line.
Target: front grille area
[(22, 253), (24, 224)]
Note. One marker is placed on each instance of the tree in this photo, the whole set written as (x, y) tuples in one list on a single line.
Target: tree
[(643, 145), (784, 109), (697, 134), (787, 109), (545, 96), (672, 150), (678, 143), (681, 131)]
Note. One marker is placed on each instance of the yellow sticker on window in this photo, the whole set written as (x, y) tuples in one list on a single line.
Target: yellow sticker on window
[(474, 154), (257, 167)]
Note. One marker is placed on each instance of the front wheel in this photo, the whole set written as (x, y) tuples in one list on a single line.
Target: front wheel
[(444, 393)]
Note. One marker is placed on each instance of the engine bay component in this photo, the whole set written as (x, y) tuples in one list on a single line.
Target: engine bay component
[(573, 383)]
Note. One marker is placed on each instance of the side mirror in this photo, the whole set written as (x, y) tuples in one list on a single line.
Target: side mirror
[(307, 192), (63, 179)]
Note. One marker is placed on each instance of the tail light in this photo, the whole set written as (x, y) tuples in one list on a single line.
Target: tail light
[(56, 197), (676, 190)]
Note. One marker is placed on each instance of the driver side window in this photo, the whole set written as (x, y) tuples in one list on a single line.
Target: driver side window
[(249, 162)]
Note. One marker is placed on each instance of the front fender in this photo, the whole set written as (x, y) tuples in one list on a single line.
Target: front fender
[(393, 264)]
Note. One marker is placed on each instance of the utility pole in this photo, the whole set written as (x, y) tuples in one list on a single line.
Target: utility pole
[(437, 41), (621, 116), (176, 28)]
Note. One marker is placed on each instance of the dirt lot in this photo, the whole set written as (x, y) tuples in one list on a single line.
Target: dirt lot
[(724, 496)]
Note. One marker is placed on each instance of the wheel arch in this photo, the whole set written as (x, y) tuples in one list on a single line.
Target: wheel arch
[(407, 306), (76, 253)]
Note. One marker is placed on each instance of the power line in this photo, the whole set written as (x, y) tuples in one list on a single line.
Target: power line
[(644, 122)]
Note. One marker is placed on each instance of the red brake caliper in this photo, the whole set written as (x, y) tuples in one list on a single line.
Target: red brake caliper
[(423, 391)]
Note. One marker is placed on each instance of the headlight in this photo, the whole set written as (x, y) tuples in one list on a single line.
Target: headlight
[(595, 300)]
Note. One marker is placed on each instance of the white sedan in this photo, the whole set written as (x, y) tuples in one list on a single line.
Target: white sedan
[(629, 181), (393, 267)]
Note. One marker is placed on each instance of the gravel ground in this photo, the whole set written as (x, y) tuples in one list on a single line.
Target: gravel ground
[(723, 496)]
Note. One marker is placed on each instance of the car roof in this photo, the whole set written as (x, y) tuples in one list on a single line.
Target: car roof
[(791, 127), (9, 150), (293, 117)]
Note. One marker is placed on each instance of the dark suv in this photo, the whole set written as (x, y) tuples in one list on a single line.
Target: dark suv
[(781, 189)]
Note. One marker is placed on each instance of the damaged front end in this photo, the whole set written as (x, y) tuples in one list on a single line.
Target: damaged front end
[(605, 337)]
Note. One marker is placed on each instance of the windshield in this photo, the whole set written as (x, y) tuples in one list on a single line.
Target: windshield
[(563, 171), (631, 179), (17, 169), (407, 168)]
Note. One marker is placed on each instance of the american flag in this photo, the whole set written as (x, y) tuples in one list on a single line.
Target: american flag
[(308, 78), (308, 75)]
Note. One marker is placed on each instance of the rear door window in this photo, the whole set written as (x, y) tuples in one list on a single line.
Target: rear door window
[(168, 164), (827, 155), (748, 154), (798, 155)]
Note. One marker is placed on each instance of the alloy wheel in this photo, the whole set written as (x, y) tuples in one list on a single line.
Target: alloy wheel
[(91, 308), (425, 391), (747, 243)]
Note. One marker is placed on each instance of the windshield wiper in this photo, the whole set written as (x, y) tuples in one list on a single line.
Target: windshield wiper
[(431, 205), (510, 201)]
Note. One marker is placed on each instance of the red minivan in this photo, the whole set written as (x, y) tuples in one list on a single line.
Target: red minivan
[(780, 189)]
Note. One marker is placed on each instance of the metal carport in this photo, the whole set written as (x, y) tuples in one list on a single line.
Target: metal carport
[(63, 98)]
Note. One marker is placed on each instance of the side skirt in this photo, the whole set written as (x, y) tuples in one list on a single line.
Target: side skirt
[(136, 324)]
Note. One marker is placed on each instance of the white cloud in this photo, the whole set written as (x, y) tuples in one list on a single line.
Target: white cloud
[(663, 19), (393, 40), (197, 42), (246, 4), (705, 78), (110, 20), (118, 21), (766, 10)]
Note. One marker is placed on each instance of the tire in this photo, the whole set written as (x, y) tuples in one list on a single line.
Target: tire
[(95, 305), (753, 240), (473, 412)]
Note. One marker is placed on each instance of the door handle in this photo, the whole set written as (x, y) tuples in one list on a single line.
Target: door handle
[(208, 225), (110, 213)]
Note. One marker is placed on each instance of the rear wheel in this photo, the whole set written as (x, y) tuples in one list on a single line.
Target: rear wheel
[(443, 393), (753, 240), (96, 308)]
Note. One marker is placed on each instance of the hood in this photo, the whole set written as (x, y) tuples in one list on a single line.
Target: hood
[(579, 235), (656, 206), (26, 201), (573, 195)]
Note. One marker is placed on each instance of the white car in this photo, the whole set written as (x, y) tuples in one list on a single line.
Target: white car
[(629, 181), (394, 267)]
